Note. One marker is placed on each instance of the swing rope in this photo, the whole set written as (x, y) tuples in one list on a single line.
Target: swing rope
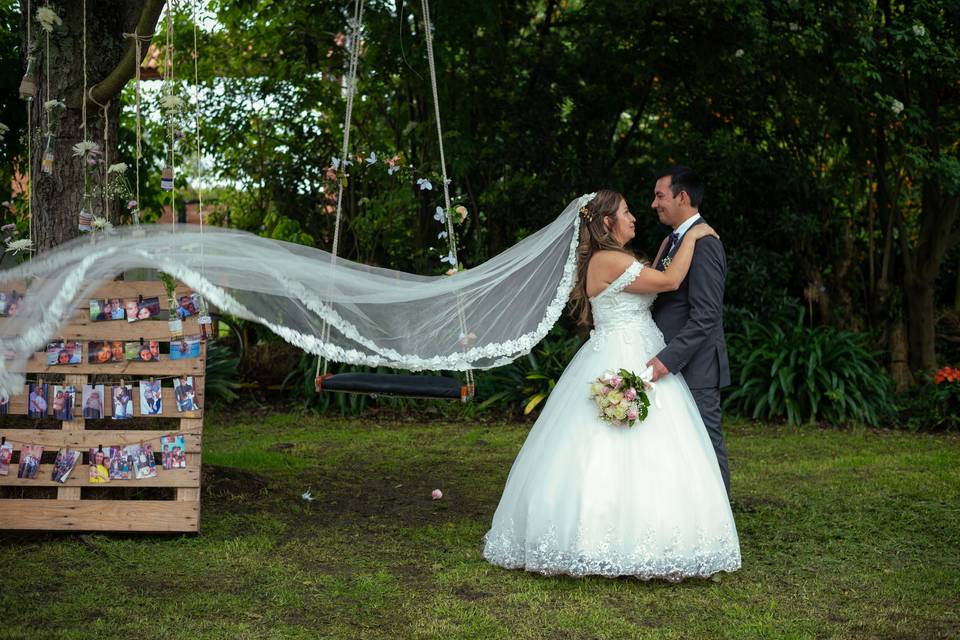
[(452, 237), (357, 24)]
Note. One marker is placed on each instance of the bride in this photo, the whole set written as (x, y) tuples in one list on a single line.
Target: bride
[(588, 497)]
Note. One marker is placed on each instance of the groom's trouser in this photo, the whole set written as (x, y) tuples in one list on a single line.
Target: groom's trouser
[(708, 402)]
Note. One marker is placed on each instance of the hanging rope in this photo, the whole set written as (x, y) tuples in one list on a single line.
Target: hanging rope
[(168, 83), (30, 139), (83, 102), (138, 41), (196, 113), (357, 24), (451, 235)]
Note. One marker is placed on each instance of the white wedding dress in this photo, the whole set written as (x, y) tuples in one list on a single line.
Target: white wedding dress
[(587, 497)]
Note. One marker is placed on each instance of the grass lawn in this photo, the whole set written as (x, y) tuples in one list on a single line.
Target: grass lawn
[(846, 534)]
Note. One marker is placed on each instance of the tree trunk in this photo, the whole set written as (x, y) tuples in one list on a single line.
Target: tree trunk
[(58, 195), (921, 325), (899, 369)]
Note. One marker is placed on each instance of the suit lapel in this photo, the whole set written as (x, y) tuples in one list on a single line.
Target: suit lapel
[(660, 265)]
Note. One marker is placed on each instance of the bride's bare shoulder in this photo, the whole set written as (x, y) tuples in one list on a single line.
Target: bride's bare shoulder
[(610, 261)]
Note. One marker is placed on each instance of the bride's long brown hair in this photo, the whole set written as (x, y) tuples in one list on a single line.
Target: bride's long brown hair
[(594, 236)]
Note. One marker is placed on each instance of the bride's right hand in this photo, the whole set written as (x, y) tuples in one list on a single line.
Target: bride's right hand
[(702, 231)]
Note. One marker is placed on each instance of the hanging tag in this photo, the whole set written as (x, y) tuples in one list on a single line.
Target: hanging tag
[(166, 179), (176, 327)]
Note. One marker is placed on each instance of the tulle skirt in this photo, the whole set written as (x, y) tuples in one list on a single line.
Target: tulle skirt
[(586, 497)]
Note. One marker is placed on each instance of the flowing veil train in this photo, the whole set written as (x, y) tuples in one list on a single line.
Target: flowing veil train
[(476, 319)]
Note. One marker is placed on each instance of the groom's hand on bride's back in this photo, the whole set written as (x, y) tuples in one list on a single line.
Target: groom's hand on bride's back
[(659, 370)]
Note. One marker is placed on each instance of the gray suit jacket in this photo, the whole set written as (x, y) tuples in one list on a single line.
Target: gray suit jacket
[(691, 319)]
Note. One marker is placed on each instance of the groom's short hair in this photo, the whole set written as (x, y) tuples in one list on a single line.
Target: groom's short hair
[(684, 179)]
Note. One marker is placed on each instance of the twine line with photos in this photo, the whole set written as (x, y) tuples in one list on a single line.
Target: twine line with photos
[(60, 445), (112, 382)]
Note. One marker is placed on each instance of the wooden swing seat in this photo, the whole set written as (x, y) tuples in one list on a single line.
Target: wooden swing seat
[(396, 386)]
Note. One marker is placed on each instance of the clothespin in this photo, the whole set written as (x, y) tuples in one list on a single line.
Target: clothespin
[(140, 299), (3, 440), (100, 448)]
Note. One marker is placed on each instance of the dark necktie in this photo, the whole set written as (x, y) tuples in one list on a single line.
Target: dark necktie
[(674, 240)]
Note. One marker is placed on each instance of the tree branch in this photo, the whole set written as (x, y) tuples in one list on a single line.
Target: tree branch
[(110, 87)]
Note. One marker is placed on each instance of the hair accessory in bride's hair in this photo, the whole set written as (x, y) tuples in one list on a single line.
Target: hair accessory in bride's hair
[(585, 199)]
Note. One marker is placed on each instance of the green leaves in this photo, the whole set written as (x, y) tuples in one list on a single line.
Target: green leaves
[(806, 375)]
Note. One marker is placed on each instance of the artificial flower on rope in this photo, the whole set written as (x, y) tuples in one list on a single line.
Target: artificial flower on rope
[(48, 18), (118, 167), (86, 148), (16, 246), (102, 224), (171, 103), (50, 105)]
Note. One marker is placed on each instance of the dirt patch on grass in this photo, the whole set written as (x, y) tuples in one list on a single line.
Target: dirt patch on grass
[(231, 485)]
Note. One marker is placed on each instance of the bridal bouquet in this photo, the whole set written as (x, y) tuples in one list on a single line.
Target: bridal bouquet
[(622, 396)]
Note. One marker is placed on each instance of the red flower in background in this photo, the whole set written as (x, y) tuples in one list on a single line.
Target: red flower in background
[(947, 374)]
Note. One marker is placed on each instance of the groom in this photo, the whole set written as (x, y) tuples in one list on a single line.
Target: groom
[(691, 318)]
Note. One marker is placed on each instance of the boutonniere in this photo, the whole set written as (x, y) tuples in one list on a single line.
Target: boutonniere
[(666, 261)]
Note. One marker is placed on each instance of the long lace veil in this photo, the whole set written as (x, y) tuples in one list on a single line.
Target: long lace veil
[(476, 319)]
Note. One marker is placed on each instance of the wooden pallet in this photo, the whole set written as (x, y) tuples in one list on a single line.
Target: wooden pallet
[(71, 510)]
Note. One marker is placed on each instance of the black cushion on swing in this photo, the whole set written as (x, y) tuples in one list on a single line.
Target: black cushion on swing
[(391, 384)]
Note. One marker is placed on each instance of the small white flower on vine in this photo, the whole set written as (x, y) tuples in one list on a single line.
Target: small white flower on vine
[(23, 244), (424, 184), (102, 224), (48, 19), (3, 130), (442, 235), (919, 30), (7, 228), (307, 495), (440, 216), (392, 170), (87, 147), (131, 204), (896, 106), (449, 258), (372, 158), (336, 163), (794, 26), (738, 53), (50, 105), (171, 102), (119, 167)]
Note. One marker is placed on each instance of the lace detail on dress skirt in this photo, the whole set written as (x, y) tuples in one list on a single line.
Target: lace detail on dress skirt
[(646, 560)]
